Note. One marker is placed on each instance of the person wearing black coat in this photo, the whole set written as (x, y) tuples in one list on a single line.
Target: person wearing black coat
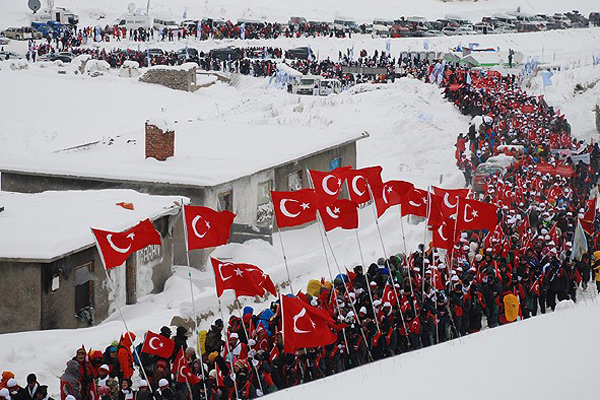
[(30, 391), (180, 340), (490, 289)]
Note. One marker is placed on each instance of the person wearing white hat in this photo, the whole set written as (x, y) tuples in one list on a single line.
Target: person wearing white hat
[(5, 394)]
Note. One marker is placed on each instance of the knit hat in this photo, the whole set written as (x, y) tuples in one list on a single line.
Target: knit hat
[(143, 383), (4, 393), (162, 383), (70, 397), (104, 367), (11, 383), (363, 310), (212, 374)]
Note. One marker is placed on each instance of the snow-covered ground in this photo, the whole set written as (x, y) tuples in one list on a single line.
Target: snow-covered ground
[(413, 131)]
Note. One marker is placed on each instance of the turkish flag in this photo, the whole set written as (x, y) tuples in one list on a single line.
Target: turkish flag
[(443, 234), (554, 193), (305, 325), (158, 345), (116, 247), (220, 377), (359, 180), (389, 295), (181, 370), (474, 215), (494, 238), (341, 213), (328, 184), (438, 211), (244, 279), (206, 227), (554, 234), (524, 227), (450, 199), (294, 208), (416, 203), (392, 193), (587, 222)]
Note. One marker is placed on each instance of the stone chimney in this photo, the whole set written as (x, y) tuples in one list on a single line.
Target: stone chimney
[(160, 140)]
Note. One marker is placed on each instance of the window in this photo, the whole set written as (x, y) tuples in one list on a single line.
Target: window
[(334, 163), (295, 181), (225, 201), (84, 289), (264, 212)]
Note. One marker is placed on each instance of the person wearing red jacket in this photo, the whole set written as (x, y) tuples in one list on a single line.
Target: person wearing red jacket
[(125, 356)]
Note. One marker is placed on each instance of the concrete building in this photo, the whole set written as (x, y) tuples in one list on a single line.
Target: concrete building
[(220, 165), (51, 275)]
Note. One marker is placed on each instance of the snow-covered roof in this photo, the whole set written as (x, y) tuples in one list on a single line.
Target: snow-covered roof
[(206, 154), (42, 227)]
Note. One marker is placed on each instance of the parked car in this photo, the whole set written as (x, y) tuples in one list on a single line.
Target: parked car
[(380, 31), (307, 85), (42, 27), (577, 20), (563, 19), (482, 172), (63, 56), (491, 21), (399, 31), (189, 54), (22, 33), (226, 53), (483, 28), (9, 55), (156, 52), (170, 24), (4, 41), (330, 86), (449, 31), (346, 25), (299, 53), (134, 21), (505, 28)]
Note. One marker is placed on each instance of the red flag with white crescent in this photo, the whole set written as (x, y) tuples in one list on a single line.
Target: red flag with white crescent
[(341, 213), (305, 325), (474, 215), (392, 193), (359, 180), (206, 227), (328, 185), (294, 208), (244, 279), (158, 345), (116, 247)]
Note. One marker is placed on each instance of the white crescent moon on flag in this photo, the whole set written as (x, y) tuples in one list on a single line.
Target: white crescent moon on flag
[(326, 187), (384, 195), (115, 248), (181, 370), (194, 222), (354, 187), (331, 213), (297, 317), (441, 232), (221, 271), (151, 345), (466, 212), (412, 203), (447, 201), (285, 211)]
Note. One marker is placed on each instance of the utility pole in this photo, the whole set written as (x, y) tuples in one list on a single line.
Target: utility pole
[(148, 8)]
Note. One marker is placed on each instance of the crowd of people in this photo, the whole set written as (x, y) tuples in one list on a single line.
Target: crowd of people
[(525, 266)]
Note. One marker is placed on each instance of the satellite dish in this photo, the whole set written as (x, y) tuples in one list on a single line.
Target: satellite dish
[(34, 5), (131, 7)]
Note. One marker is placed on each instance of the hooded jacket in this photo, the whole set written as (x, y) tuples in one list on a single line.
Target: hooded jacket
[(69, 381), (125, 356)]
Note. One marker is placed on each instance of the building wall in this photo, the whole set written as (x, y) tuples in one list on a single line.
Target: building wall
[(20, 297), (27, 301)]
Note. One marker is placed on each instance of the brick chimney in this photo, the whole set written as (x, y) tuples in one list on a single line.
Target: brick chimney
[(160, 141)]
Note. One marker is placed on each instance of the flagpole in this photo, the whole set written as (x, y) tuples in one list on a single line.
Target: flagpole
[(285, 262), (248, 338), (128, 333), (372, 198), (287, 268), (412, 292), (424, 240), (187, 255), (321, 232), (347, 290), (362, 260), (237, 396), (333, 289)]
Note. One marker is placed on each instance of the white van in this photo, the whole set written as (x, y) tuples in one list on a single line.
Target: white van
[(381, 31), (345, 24), (159, 23), (308, 85), (134, 21), (330, 86)]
